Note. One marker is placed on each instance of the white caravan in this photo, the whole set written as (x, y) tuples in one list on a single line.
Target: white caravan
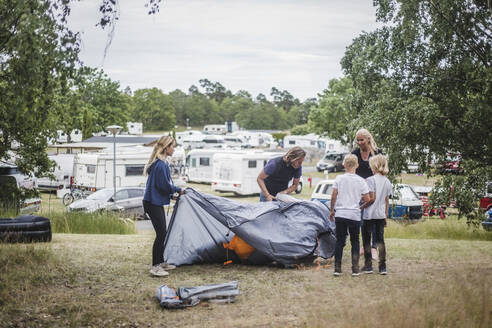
[(63, 172), (199, 164), (306, 141), (237, 172), (94, 171), (256, 139), (215, 129), (134, 128)]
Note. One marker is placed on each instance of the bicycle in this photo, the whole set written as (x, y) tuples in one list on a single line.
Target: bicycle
[(72, 196)]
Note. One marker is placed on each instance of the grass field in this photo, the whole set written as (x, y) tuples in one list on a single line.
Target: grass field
[(103, 281), (439, 275)]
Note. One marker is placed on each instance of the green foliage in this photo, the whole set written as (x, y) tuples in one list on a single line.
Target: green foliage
[(87, 126), (465, 190), (154, 109), (336, 113), (278, 136), (101, 95), (422, 86), (38, 54), (301, 130)]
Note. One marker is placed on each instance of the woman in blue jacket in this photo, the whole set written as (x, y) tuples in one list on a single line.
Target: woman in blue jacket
[(158, 192)]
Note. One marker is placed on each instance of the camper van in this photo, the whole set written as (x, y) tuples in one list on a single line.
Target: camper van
[(237, 172), (215, 129), (94, 171), (199, 164), (63, 173)]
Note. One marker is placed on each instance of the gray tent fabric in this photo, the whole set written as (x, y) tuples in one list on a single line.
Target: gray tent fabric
[(286, 233)]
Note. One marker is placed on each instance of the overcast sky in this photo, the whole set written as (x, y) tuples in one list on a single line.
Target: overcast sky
[(245, 44)]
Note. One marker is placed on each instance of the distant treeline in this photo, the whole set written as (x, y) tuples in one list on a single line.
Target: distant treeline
[(97, 101)]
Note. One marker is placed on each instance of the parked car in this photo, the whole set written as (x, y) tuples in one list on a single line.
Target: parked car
[(486, 200), (405, 203), (322, 191), (424, 193), (452, 164), (127, 201), (12, 181), (331, 162), (487, 223)]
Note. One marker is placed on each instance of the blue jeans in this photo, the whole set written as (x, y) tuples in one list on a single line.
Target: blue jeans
[(262, 197), (344, 227)]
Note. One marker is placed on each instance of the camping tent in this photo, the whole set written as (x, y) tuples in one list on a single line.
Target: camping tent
[(286, 233)]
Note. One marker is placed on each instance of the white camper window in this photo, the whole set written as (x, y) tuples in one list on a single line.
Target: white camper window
[(292, 142), (204, 161), (251, 164), (193, 162), (134, 170), (313, 142), (91, 169)]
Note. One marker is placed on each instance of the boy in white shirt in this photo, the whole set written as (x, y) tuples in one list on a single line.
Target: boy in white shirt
[(376, 214), (348, 190)]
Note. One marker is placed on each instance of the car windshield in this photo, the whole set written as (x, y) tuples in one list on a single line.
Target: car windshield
[(103, 194), (406, 193), (331, 157)]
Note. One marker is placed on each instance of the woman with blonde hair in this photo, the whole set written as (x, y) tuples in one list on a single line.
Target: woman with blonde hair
[(158, 192), (275, 176), (367, 149)]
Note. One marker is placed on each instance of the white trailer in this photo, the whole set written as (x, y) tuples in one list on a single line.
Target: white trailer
[(237, 172), (199, 164), (135, 128), (306, 141), (63, 173), (94, 171)]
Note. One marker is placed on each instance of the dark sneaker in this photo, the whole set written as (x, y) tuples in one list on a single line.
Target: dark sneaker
[(382, 270), (367, 270), (337, 273), (355, 274)]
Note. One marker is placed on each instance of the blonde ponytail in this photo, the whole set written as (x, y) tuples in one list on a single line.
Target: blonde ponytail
[(159, 151)]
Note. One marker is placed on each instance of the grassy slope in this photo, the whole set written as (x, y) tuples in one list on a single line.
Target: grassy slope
[(101, 280)]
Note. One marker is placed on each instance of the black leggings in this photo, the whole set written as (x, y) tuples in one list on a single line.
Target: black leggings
[(158, 218)]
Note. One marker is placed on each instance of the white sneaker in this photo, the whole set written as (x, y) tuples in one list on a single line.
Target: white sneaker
[(166, 266), (157, 271)]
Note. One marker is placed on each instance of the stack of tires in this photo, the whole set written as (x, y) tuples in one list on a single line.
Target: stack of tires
[(25, 228)]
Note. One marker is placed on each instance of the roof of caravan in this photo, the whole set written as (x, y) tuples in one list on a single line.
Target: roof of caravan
[(249, 155)]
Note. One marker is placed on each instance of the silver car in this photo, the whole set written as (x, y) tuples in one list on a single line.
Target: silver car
[(331, 162), (127, 201)]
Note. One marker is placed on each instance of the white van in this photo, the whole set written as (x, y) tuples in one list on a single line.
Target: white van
[(237, 172)]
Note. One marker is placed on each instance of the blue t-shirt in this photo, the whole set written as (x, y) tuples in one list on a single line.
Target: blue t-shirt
[(159, 187), (279, 175)]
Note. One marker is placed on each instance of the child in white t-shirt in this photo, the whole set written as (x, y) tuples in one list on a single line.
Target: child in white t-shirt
[(348, 190), (376, 214)]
